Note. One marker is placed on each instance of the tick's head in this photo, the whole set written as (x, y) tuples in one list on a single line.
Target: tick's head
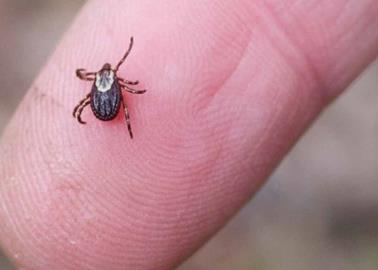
[(105, 78), (106, 66)]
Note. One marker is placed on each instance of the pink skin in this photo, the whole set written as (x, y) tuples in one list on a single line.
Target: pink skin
[(232, 85)]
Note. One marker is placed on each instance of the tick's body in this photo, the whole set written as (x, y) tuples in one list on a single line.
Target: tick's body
[(106, 97)]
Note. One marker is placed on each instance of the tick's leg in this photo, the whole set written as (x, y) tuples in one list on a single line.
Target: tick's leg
[(80, 104), (80, 110), (133, 91), (128, 82), (86, 76), (127, 117), (131, 82), (126, 54)]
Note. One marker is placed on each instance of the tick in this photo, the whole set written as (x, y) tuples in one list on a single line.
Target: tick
[(106, 97)]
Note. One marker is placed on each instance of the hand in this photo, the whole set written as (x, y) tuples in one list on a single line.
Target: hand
[(232, 85)]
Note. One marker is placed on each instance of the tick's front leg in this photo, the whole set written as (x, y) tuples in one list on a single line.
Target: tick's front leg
[(86, 76)]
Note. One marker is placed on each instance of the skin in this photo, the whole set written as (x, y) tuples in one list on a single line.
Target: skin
[(232, 85)]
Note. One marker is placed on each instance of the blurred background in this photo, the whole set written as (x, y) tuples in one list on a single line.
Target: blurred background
[(319, 210)]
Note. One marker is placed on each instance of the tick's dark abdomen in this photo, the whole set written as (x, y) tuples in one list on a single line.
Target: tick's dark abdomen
[(105, 105)]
